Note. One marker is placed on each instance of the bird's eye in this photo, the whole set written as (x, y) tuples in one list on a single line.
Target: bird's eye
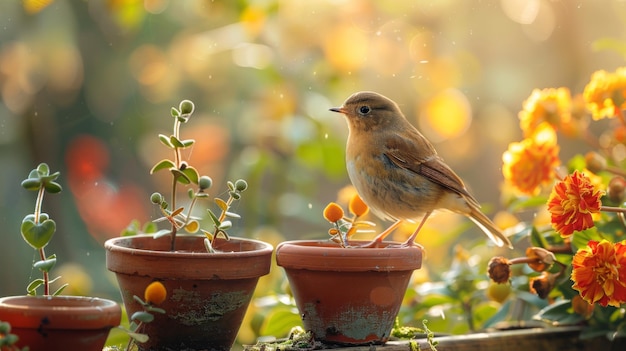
[(364, 110)]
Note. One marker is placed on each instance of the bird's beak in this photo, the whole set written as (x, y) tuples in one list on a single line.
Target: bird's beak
[(338, 109)]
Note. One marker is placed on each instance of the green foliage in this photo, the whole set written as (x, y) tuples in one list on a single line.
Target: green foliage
[(183, 174), (8, 340), (38, 228)]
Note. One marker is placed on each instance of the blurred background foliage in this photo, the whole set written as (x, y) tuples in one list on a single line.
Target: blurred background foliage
[(87, 85)]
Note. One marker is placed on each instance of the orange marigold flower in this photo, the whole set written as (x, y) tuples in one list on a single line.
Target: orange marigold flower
[(155, 293), (333, 212), (599, 272), (605, 93), (572, 203), (551, 106), (357, 206), (530, 163)]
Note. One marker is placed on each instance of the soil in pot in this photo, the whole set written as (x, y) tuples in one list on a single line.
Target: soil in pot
[(208, 294), (348, 295), (60, 323)]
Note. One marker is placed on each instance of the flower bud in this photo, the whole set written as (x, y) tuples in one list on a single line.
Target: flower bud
[(333, 212), (186, 107), (241, 185), (156, 198), (205, 182), (617, 190), (595, 162)]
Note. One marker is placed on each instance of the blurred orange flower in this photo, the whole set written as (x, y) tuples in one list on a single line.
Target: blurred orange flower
[(572, 203), (599, 272), (605, 93), (531, 162), (551, 106)]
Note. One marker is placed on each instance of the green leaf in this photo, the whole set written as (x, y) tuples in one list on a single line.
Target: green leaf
[(225, 225), (174, 112), (60, 290), (176, 142), (165, 140), (37, 235), (559, 313), (279, 321), (139, 337), (163, 164), (180, 176), (232, 215), (53, 187), (192, 174), (31, 184), (214, 218), (188, 142), (46, 265), (142, 316), (32, 287)]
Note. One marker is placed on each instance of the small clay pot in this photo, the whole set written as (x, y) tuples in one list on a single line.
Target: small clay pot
[(61, 322), (348, 295), (207, 293)]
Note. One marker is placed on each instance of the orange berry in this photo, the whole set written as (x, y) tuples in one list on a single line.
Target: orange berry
[(357, 206), (333, 212), (155, 293)]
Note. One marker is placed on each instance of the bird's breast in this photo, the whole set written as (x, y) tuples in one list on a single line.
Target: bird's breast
[(390, 191)]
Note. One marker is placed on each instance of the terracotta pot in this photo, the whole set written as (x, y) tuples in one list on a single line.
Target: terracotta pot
[(348, 295), (60, 322), (207, 294)]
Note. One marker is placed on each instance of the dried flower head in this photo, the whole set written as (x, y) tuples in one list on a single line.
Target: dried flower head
[(542, 285), (499, 269)]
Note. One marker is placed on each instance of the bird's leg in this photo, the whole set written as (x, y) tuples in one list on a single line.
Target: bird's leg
[(411, 240), (380, 237)]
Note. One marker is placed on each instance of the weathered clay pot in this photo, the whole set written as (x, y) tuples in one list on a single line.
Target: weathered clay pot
[(348, 295), (61, 322), (207, 294)]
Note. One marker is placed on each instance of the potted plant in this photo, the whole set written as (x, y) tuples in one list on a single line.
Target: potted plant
[(51, 321), (210, 276), (347, 293)]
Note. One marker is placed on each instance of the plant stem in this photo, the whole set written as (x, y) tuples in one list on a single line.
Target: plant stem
[(177, 162), (174, 227), (42, 252)]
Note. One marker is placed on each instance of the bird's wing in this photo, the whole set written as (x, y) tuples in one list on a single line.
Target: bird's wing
[(421, 158)]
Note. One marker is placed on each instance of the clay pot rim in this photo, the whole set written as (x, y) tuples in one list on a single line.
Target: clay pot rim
[(114, 245), (107, 313), (324, 255)]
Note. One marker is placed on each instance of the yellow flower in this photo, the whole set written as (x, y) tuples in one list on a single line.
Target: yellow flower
[(605, 94), (333, 212), (572, 203), (155, 293), (531, 162), (550, 106), (357, 206), (599, 273)]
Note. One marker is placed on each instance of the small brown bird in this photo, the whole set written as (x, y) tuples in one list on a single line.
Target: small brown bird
[(397, 172)]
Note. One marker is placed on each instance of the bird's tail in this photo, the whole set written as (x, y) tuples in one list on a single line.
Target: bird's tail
[(491, 230)]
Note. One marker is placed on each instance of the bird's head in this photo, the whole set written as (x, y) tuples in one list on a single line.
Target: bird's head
[(369, 111)]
